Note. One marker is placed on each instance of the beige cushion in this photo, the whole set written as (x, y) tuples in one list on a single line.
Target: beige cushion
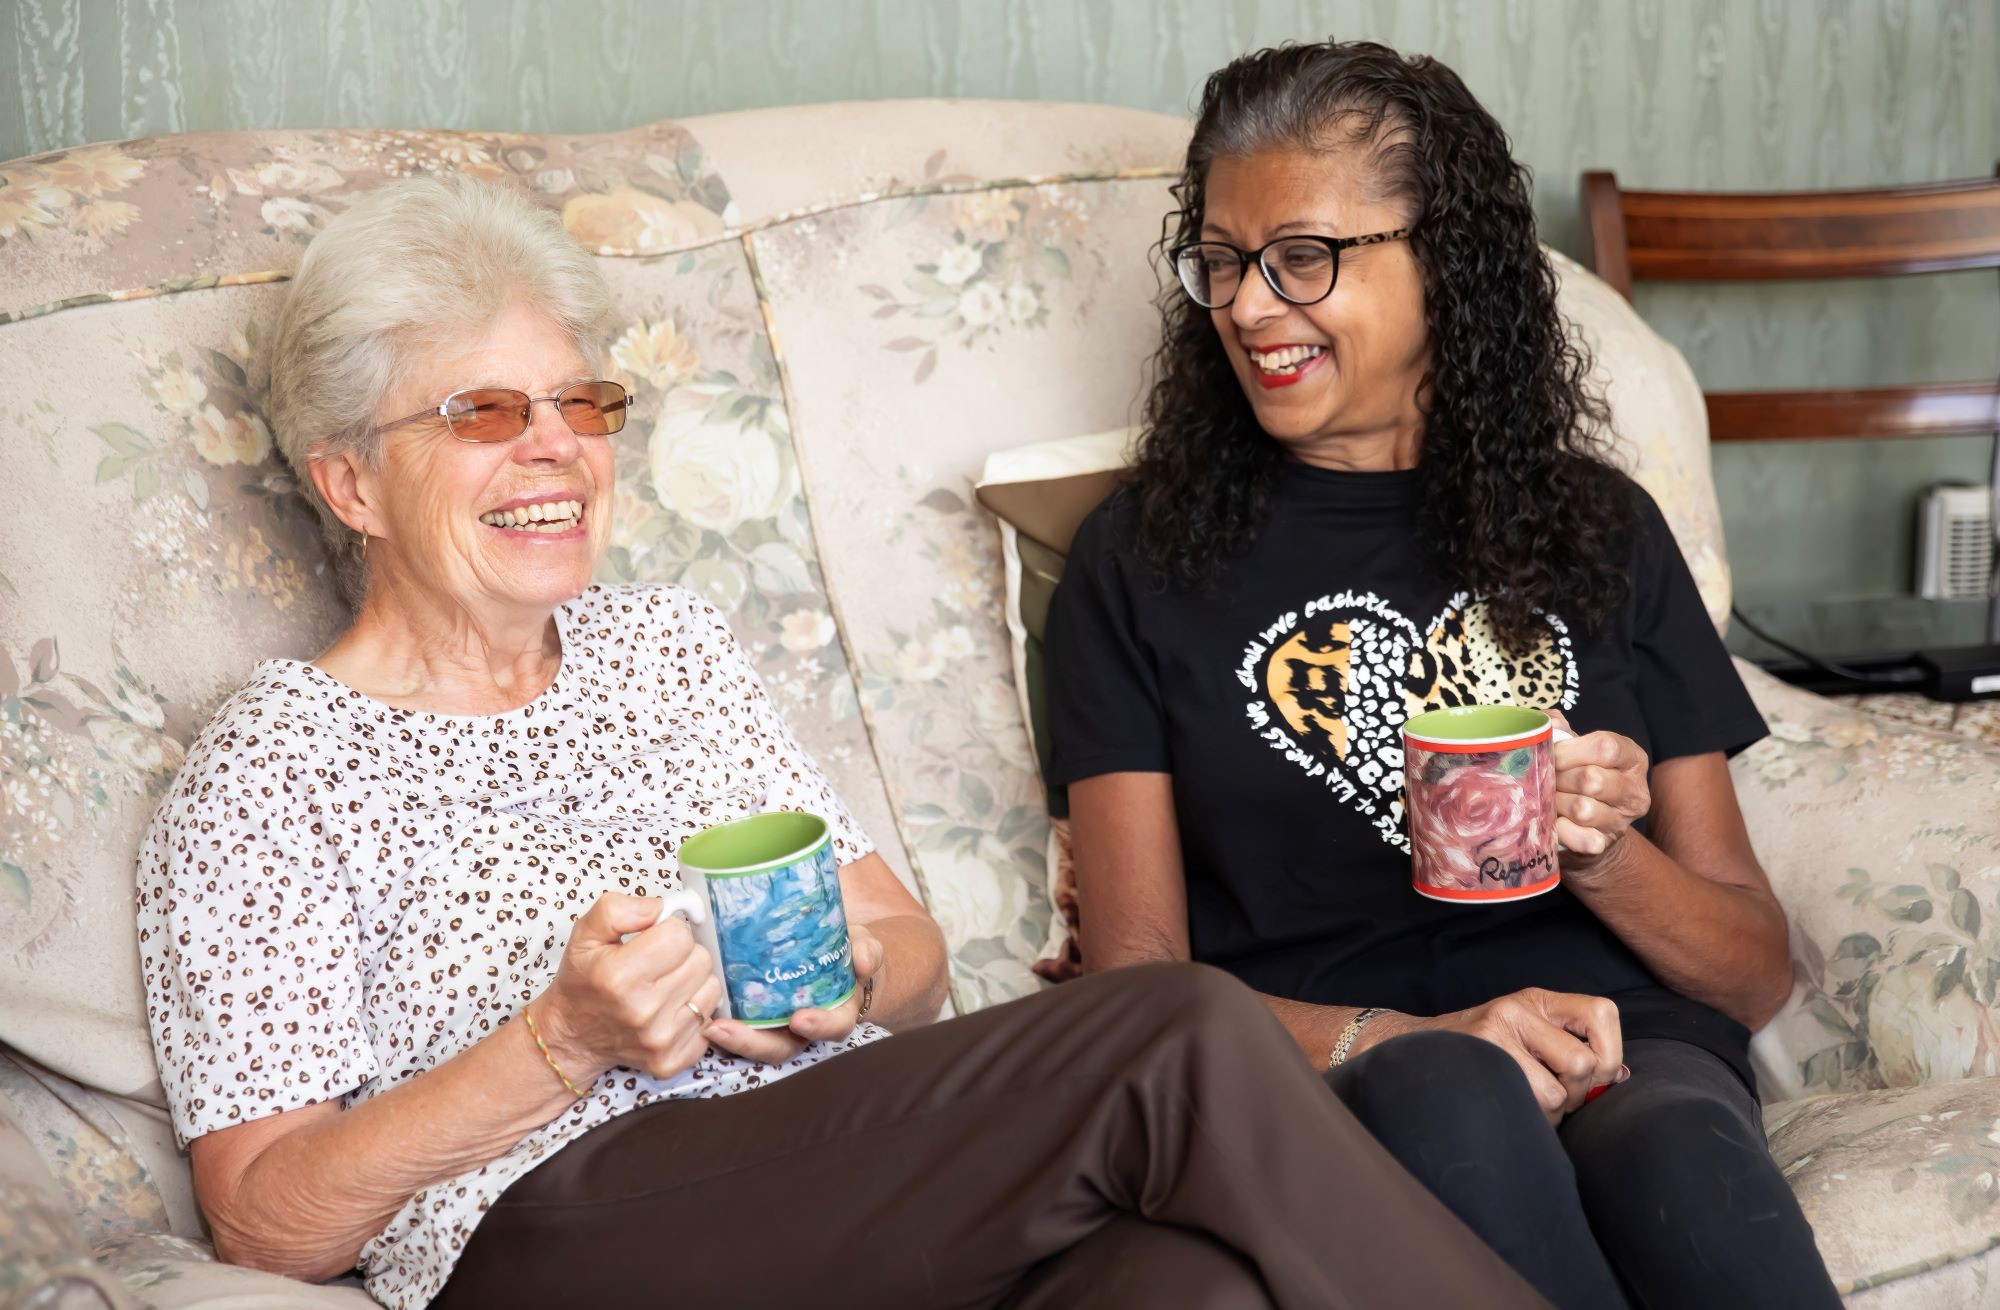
[(1039, 494), (791, 162), (159, 215), (1896, 1183), (1659, 421)]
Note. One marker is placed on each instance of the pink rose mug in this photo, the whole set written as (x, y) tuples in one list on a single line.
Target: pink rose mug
[(1480, 796)]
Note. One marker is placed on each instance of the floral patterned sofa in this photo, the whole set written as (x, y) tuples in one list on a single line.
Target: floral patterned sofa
[(832, 316)]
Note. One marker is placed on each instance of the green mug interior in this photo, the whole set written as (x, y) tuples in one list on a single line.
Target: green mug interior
[(752, 845), (1477, 723)]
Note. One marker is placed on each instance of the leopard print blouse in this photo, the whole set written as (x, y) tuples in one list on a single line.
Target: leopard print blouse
[(337, 895)]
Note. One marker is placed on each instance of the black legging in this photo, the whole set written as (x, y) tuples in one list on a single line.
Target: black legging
[(1660, 1194)]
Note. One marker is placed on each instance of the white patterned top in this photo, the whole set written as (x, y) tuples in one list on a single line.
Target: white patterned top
[(337, 895)]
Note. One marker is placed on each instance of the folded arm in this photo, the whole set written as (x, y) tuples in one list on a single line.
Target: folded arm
[(301, 1192)]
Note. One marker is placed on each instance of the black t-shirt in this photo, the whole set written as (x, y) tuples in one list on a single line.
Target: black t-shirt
[(1276, 698)]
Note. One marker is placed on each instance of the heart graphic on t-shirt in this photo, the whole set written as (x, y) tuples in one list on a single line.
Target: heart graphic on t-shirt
[(1337, 681)]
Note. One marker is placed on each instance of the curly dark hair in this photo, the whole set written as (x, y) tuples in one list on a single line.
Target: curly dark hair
[(1518, 504)]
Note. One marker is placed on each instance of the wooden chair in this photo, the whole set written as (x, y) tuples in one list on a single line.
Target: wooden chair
[(1688, 236)]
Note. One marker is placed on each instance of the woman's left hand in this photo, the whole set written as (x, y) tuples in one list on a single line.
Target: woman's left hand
[(777, 1045), (1600, 790)]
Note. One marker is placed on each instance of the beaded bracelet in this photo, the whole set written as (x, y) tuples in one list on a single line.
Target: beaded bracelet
[(544, 1047)]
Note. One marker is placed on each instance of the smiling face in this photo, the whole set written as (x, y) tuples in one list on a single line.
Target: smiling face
[(494, 528), (1335, 382)]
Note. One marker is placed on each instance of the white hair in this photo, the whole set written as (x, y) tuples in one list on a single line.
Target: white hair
[(411, 269)]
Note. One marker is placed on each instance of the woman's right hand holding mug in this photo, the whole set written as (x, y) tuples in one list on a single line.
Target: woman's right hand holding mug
[(634, 990), (1566, 1044)]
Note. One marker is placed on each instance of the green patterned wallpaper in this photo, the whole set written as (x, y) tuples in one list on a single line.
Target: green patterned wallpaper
[(1670, 93)]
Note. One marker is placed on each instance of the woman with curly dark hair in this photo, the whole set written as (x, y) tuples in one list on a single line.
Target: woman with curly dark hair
[(1369, 485)]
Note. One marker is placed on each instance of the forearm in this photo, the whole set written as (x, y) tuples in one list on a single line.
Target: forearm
[(1718, 943), (1317, 1027), (308, 1203), (910, 988)]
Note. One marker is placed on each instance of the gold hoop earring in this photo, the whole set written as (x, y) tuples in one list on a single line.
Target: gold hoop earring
[(364, 548)]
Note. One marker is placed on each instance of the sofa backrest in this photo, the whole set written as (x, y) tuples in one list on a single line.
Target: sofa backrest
[(831, 315)]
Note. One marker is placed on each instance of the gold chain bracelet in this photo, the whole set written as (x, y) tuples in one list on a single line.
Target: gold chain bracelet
[(535, 1033)]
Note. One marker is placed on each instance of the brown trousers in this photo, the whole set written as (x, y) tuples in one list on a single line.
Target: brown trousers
[(1148, 1138)]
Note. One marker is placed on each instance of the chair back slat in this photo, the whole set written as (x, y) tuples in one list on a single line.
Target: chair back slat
[(1688, 237), (1938, 410), (1693, 236)]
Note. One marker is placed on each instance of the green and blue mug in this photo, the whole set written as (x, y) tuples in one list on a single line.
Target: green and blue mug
[(780, 929)]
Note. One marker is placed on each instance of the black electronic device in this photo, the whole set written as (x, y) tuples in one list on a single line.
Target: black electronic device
[(1965, 673)]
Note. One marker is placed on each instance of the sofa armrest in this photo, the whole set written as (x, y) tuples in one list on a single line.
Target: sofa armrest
[(43, 1259), (1883, 843)]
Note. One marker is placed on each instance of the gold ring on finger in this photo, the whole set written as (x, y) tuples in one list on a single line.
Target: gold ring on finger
[(695, 1010)]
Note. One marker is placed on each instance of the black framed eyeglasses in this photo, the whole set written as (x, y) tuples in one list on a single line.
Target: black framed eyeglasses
[(491, 414), (1300, 269)]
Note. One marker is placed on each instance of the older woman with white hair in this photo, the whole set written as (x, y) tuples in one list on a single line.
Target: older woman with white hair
[(415, 1007)]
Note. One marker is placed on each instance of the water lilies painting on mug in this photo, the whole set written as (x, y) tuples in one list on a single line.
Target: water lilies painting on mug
[(783, 935)]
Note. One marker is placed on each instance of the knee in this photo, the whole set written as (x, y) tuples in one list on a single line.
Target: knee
[(1197, 994), (1417, 1063), (1684, 1145), (1458, 1058), (1168, 995), (1440, 1077), (1198, 1003)]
